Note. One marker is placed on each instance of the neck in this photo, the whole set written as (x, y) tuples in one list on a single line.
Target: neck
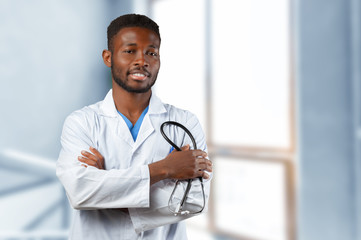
[(130, 104)]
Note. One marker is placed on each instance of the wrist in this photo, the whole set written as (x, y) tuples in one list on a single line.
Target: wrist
[(157, 172)]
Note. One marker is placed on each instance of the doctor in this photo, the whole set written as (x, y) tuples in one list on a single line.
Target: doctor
[(116, 168)]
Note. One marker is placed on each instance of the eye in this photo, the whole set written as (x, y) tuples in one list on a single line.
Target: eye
[(154, 54), (128, 51)]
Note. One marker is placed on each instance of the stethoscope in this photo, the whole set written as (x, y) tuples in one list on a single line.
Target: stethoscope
[(179, 208)]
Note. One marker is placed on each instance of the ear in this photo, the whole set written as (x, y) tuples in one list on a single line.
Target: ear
[(107, 56)]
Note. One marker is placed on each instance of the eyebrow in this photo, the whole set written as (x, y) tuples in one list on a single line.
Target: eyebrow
[(134, 44), (152, 46)]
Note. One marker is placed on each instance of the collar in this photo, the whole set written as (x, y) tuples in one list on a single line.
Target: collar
[(108, 108)]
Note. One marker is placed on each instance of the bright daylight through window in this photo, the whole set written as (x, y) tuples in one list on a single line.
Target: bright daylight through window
[(238, 54)]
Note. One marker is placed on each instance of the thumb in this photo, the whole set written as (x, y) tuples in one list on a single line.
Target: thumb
[(185, 147)]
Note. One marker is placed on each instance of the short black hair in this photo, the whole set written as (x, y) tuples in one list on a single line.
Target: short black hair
[(130, 20)]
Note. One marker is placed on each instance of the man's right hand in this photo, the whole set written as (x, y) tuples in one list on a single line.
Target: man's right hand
[(94, 158), (185, 164)]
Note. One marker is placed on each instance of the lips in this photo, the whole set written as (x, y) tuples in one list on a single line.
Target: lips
[(139, 75)]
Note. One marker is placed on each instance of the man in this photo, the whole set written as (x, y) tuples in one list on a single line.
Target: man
[(121, 187)]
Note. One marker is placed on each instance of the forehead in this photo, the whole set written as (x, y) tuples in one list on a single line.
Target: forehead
[(136, 35)]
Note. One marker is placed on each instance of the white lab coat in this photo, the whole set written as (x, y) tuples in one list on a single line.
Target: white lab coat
[(100, 196)]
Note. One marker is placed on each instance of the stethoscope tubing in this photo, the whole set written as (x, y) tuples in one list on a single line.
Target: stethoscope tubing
[(181, 126), (189, 181)]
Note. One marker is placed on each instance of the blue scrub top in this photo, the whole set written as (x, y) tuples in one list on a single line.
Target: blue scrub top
[(134, 130)]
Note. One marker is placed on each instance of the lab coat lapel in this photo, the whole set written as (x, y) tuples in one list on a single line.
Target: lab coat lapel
[(144, 132), (156, 107), (108, 109), (123, 132)]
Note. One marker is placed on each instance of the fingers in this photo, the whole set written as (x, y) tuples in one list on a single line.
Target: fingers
[(95, 159), (205, 175), (88, 162), (199, 153), (185, 148), (96, 153), (186, 164), (203, 164)]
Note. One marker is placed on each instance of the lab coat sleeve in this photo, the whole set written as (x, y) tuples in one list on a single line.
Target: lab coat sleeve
[(158, 213), (91, 188)]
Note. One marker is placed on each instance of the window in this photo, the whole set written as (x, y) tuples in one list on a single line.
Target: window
[(229, 62)]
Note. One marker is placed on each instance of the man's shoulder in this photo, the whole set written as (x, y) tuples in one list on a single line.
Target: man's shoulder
[(85, 114), (176, 110), (178, 113), (157, 106)]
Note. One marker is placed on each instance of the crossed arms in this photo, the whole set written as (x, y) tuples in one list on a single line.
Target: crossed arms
[(186, 164)]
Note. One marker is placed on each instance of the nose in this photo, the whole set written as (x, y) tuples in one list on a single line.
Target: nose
[(140, 60)]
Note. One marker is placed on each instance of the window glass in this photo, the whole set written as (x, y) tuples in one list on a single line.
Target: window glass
[(250, 71), (250, 199), (181, 77)]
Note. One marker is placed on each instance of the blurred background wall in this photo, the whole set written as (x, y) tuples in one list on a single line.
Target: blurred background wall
[(328, 86), (276, 85)]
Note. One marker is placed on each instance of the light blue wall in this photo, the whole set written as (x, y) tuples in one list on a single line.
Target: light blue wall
[(50, 65), (326, 100)]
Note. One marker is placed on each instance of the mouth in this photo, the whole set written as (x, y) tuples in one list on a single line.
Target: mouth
[(139, 75)]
